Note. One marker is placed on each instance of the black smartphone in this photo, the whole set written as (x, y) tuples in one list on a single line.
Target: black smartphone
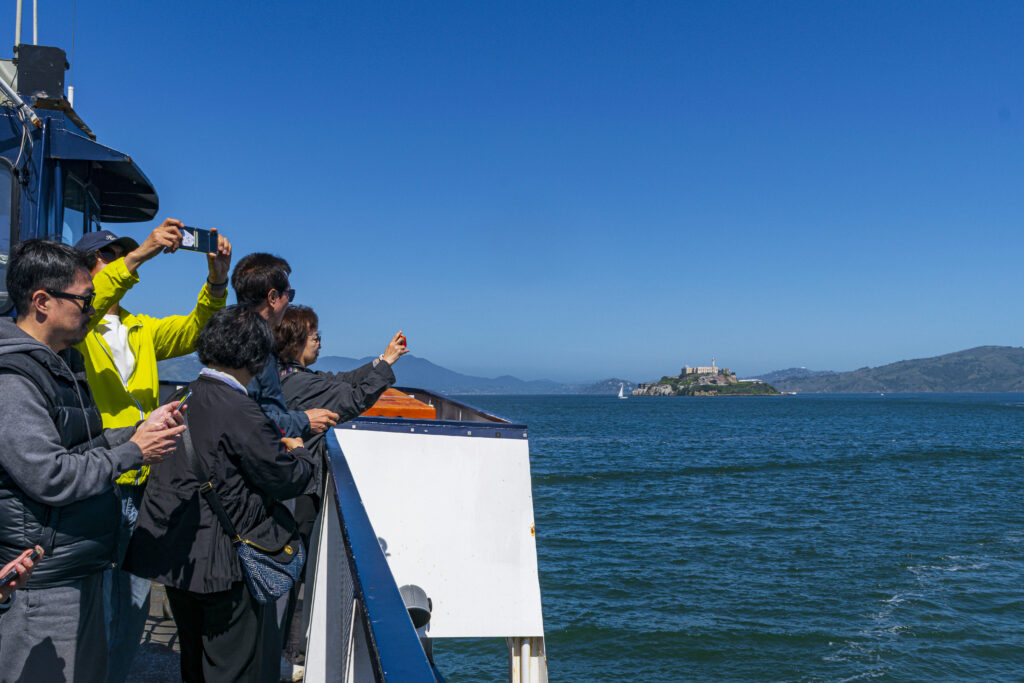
[(13, 574), (198, 239)]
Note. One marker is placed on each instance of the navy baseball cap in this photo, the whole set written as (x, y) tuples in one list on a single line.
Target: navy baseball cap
[(92, 241)]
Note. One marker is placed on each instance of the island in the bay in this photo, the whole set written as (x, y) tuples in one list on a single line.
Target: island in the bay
[(705, 380)]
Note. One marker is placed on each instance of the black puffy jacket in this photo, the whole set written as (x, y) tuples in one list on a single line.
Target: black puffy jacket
[(78, 525)]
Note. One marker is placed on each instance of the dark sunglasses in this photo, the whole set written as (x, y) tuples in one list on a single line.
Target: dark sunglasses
[(108, 254), (318, 337), (290, 293), (87, 299)]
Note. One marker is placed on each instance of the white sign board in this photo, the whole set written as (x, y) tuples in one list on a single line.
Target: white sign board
[(454, 515)]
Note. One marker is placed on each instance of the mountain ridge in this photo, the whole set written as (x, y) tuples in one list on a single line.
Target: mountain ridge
[(982, 369), (413, 371), (994, 369)]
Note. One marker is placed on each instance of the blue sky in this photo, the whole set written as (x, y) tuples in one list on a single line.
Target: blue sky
[(584, 190)]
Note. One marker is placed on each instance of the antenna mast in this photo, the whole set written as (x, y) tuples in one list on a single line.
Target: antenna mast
[(71, 70), (35, 23)]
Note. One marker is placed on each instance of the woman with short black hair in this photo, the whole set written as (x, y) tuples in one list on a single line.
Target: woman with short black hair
[(225, 634)]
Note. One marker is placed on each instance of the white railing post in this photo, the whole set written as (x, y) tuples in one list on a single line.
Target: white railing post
[(329, 636), (527, 660)]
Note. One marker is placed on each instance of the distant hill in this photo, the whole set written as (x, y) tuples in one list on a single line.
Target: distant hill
[(774, 378), (982, 369), (183, 369), (413, 371), (607, 386)]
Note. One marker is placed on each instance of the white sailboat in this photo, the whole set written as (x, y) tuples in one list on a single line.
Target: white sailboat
[(621, 395)]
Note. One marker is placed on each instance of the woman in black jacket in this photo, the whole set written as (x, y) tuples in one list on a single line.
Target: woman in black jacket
[(225, 634), (349, 394)]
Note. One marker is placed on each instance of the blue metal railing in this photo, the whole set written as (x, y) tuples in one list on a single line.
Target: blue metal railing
[(395, 650)]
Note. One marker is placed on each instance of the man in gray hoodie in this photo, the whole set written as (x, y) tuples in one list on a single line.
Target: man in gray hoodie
[(57, 469)]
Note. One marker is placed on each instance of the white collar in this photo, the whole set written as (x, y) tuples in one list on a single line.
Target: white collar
[(224, 377)]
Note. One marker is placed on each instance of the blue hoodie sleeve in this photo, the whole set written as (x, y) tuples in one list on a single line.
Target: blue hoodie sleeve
[(265, 389)]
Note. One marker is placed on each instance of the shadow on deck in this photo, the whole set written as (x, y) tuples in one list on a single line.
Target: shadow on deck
[(157, 658)]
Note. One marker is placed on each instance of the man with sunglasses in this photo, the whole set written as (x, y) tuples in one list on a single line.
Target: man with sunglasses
[(57, 468), (261, 281), (121, 352)]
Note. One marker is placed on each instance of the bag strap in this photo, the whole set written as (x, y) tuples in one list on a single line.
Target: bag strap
[(206, 486)]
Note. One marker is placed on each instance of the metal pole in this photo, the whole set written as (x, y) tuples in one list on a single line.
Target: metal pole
[(35, 22), (20, 104), (524, 662), (17, 26)]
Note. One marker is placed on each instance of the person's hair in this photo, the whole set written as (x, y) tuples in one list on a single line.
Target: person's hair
[(236, 337), (41, 264), (257, 274), (291, 334)]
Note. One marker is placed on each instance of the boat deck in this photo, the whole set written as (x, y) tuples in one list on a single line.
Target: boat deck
[(157, 659)]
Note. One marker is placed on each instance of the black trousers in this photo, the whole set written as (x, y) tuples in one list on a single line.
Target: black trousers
[(224, 636)]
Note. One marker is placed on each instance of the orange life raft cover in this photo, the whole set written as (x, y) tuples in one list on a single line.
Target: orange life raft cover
[(393, 403)]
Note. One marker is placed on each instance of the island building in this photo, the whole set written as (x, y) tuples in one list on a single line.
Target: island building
[(702, 369)]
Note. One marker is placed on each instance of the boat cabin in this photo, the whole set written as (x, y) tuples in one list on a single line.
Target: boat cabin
[(57, 182)]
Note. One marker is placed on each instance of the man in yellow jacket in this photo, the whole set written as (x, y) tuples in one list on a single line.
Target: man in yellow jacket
[(121, 353)]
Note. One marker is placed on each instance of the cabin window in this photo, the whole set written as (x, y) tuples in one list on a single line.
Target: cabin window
[(93, 219), (75, 205), (8, 227)]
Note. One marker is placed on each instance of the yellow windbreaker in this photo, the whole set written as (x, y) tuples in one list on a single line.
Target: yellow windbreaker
[(151, 339)]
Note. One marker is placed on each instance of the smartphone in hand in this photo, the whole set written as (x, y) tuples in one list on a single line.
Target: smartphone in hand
[(13, 574), (198, 239)]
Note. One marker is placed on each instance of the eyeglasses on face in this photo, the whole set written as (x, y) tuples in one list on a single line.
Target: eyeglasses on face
[(109, 254), (316, 337), (87, 299)]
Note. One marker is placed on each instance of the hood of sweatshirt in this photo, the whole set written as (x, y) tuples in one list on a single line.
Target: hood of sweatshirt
[(15, 340)]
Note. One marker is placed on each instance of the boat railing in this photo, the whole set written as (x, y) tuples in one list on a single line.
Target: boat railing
[(358, 627)]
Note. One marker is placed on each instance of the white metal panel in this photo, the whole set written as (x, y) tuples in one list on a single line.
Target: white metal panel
[(331, 593), (455, 516)]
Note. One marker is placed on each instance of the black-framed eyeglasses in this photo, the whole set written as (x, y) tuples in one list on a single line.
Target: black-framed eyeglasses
[(290, 293), (87, 299)]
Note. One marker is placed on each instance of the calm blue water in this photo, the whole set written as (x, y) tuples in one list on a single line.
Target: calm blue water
[(779, 539)]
